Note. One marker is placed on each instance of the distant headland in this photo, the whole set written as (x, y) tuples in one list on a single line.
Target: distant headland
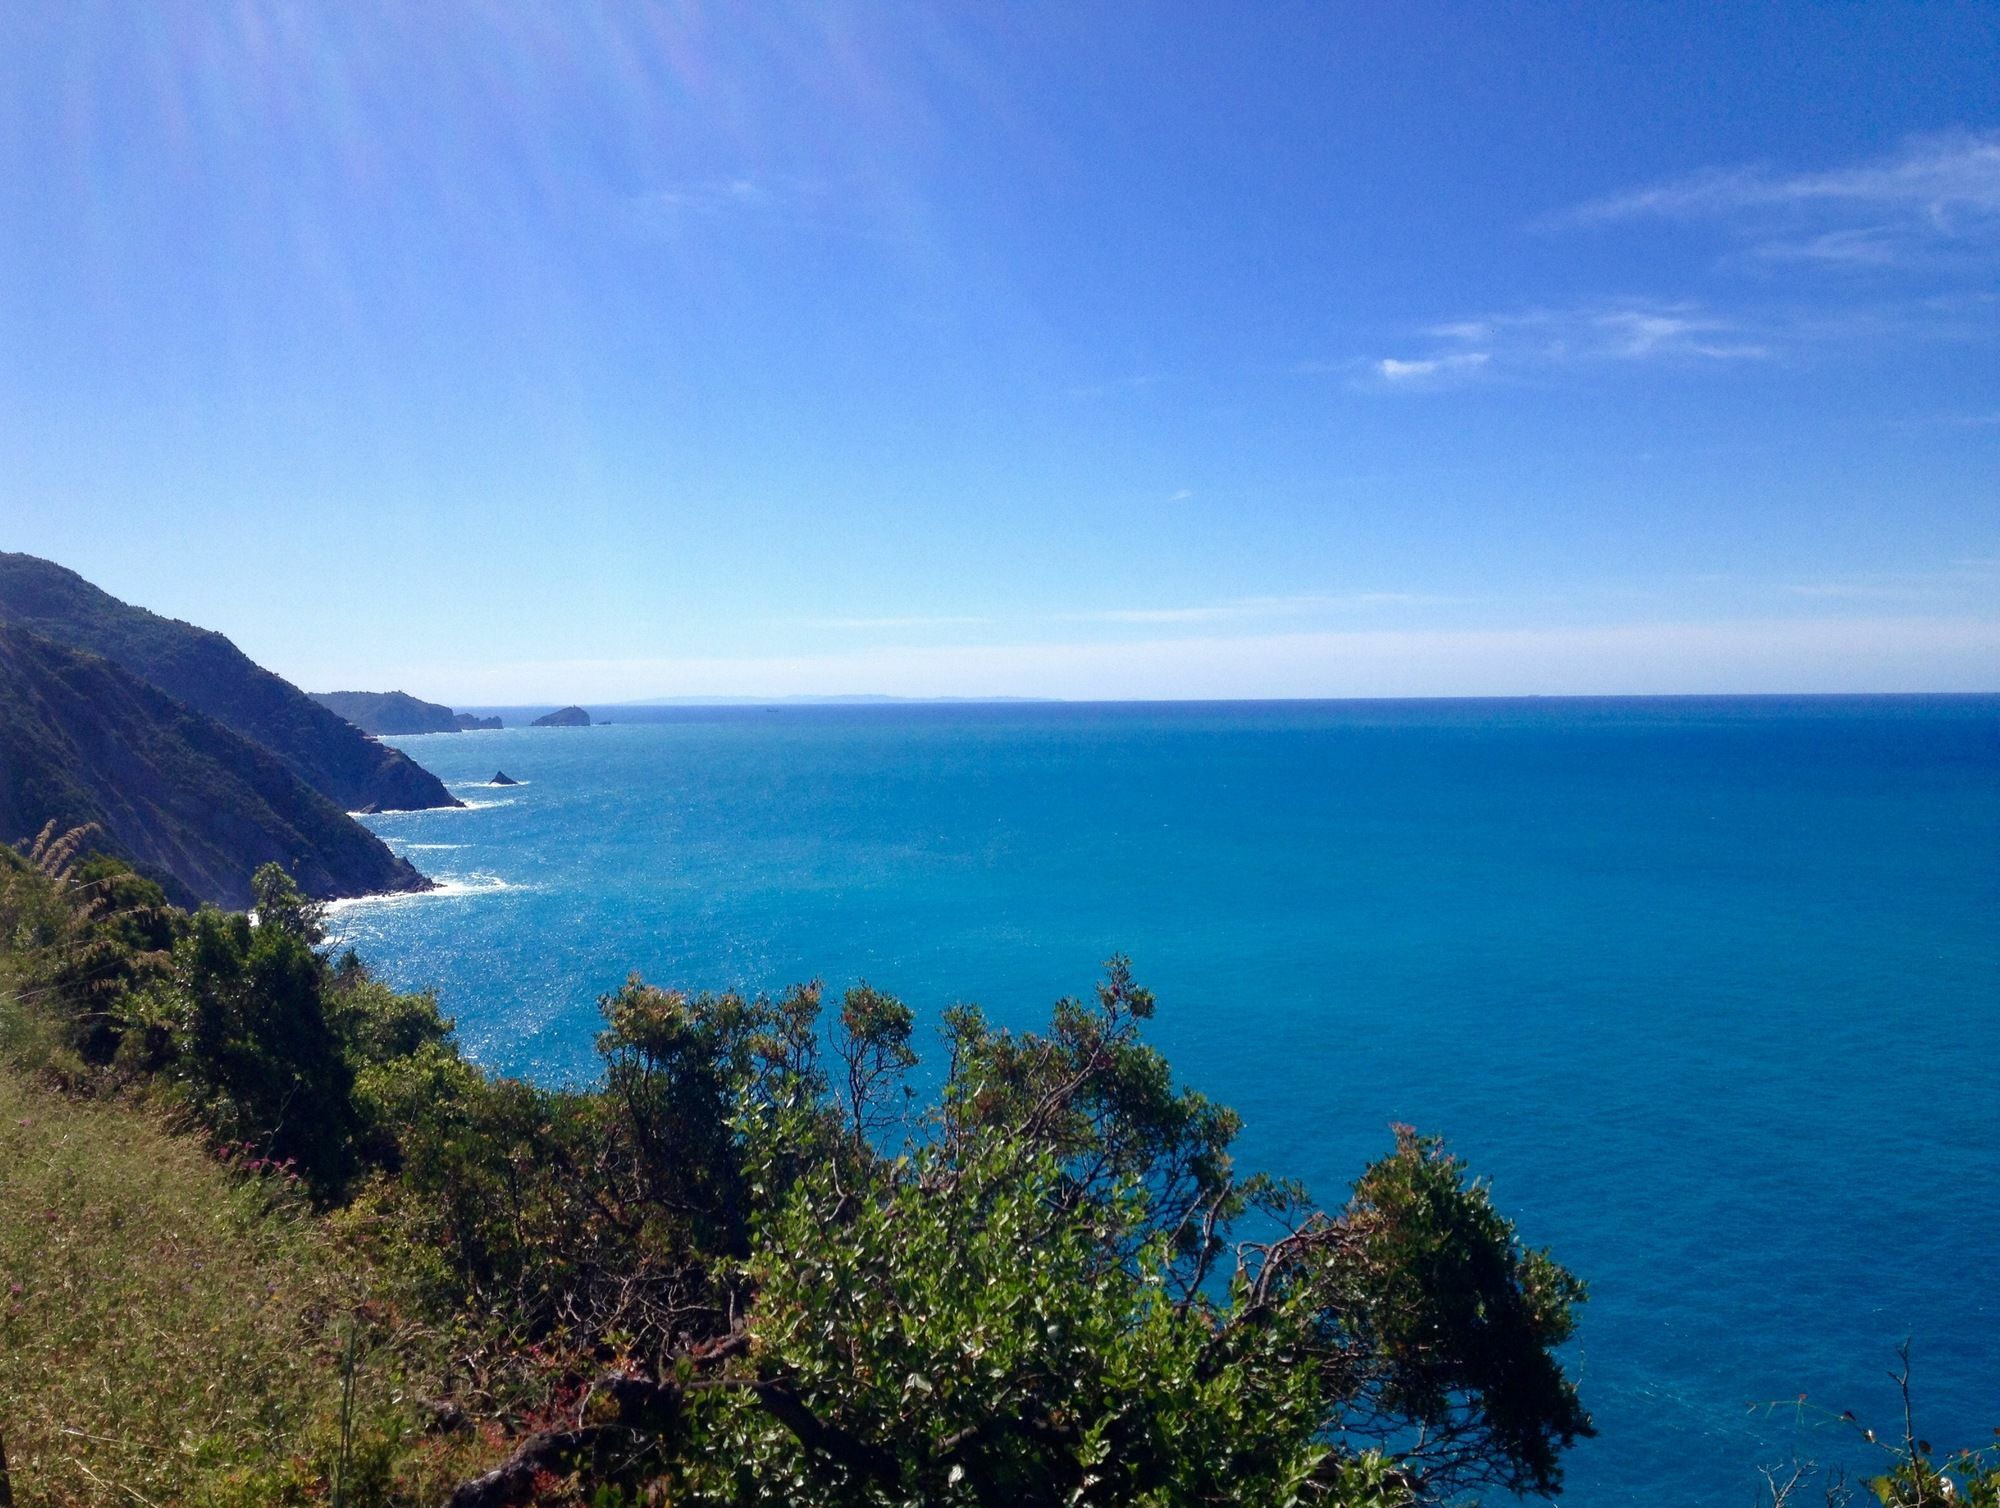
[(394, 713)]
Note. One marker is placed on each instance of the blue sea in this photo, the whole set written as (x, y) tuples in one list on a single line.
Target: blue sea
[(1708, 988)]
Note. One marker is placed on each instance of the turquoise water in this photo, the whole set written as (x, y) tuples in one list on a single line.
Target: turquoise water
[(1709, 988)]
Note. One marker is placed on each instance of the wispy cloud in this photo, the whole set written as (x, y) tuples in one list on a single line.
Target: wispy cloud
[(1238, 609), (1633, 334), (1967, 581), (714, 195), (1852, 591), (1940, 175), (1424, 369), (1244, 608), (864, 624), (1934, 191), (1791, 654), (744, 199), (1495, 345)]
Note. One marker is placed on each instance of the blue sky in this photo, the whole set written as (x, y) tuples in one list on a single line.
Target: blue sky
[(514, 352)]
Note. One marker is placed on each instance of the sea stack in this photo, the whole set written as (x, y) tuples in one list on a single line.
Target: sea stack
[(501, 777), (567, 717)]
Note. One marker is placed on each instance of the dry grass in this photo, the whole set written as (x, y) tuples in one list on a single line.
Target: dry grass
[(170, 1333)]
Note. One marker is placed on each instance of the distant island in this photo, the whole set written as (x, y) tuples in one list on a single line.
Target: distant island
[(565, 717)]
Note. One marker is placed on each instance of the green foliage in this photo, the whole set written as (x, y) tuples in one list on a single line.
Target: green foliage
[(277, 904), (255, 1050), (961, 1337), (750, 1268), (171, 1331), (1437, 1261)]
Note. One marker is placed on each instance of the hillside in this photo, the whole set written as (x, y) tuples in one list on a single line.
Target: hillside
[(176, 792), (211, 675), (140, 1269), (388, 711)]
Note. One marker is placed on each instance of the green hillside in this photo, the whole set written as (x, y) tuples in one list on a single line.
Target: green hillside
[(172, 790), (388, 711), (210, 674)]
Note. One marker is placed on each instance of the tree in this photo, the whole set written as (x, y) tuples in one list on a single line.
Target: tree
[(1040, 1289)]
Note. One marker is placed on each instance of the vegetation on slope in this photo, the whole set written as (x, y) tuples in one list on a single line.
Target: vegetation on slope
[(211, 675), (750, 1267), (181, 796), (175, 1328), (390, 712)]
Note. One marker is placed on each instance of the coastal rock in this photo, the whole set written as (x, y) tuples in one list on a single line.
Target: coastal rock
[(567, 717), (501, 777), (470, 724)]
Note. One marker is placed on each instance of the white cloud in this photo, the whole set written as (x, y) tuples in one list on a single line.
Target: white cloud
[(1934, 193), (1430, 368), (1965, 581), (895, 622), (1637, 333), (1859, 246), (743, 198), (1259, 607), (1528, 339), (1857, 591), (1472, 330), (1750, 655), (1943, 176)]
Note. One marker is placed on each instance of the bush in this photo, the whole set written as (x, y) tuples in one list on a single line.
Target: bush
[(751, 1267)]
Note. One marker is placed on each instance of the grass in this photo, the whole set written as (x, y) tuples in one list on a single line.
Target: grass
[(166, 1323), (172, 1332)]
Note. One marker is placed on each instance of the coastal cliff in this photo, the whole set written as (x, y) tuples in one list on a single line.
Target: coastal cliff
[(170, 789), (211, 675), (390, 712)]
